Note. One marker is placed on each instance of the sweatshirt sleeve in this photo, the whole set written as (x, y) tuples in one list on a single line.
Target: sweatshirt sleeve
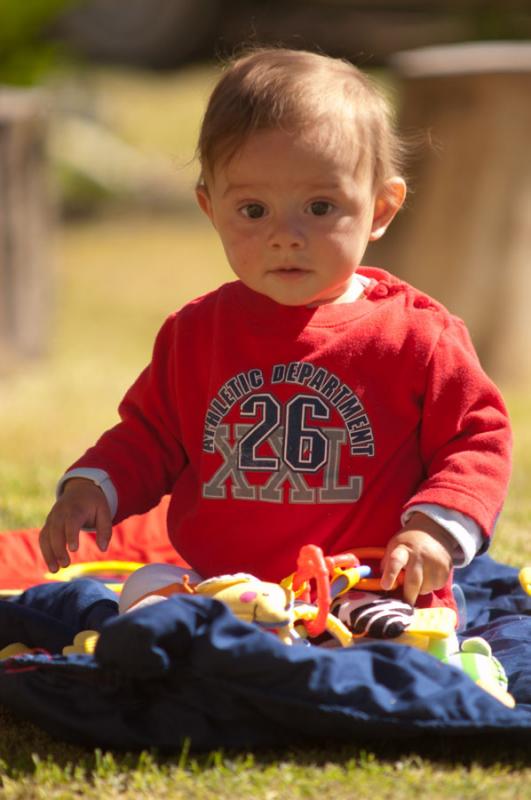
[(143, 454), (465, 437)]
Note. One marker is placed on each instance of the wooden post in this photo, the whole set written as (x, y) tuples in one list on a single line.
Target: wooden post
[(465, 236), (25, 280)]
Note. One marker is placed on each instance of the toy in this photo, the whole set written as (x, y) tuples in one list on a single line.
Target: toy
[(267, 605), (299, 609), (525, 579), (112, 573), (156, 581), (14, 649), (307, 597), (273, 607), (433, 630), (476, 660), (334, 575)]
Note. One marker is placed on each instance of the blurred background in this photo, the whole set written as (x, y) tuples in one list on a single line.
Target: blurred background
[(100, 105)]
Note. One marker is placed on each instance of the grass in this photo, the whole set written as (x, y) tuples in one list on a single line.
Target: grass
[(220, 777), (45, 771), (116, 280)]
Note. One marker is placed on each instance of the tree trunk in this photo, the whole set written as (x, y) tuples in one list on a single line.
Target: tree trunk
[(465, 236), (25, 279)]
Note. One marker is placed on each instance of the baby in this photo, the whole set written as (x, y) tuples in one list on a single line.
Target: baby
[(312, 400)]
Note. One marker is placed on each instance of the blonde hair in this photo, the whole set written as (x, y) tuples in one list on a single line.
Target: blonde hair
[(294, 90)]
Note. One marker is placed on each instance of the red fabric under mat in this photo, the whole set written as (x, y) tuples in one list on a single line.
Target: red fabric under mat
[(141, 538)]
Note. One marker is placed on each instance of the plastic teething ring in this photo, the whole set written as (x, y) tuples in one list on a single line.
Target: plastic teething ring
[(97, 569), (311, 564)]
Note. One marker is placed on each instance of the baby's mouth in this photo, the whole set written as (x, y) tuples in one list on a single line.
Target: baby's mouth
[(290, 271)]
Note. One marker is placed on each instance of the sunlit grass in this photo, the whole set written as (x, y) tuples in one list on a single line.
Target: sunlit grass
[(341, 772)]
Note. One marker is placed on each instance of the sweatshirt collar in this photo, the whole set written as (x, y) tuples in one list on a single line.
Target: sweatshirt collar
[(376, 285)]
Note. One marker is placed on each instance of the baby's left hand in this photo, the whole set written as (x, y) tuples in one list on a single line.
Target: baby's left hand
[(423, 550)]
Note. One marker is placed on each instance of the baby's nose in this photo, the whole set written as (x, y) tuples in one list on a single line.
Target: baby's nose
[(286, 234)]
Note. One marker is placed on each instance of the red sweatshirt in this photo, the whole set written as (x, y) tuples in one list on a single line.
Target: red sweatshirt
[(274, 426)]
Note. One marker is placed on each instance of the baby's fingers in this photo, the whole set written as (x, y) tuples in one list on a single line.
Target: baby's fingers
[(53, 540), (60, 532), (395, 559), (103, 526), (413, 579), (47, 550)]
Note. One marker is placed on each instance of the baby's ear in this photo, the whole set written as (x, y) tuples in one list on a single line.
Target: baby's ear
[(203, 200), (388, 202)]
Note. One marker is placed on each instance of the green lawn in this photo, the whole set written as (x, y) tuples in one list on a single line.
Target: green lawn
[(116, 280)]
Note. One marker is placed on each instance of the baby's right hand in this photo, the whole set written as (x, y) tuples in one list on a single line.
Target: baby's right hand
[(82, 503)]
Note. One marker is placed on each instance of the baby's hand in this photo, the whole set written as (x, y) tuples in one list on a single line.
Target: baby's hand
[(424, 551), (81, 503)]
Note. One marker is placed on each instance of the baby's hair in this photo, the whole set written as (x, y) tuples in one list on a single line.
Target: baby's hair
[(295, 90)]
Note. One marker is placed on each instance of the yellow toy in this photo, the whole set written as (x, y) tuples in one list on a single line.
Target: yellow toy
[(271, 606), (14, 649), (525, 579), (84, 644), (111, 573)]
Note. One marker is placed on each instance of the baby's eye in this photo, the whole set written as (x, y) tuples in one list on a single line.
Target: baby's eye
[(253, 210), (320, 208)]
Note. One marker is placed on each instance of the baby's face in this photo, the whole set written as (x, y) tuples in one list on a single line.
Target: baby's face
[(295, 216)]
